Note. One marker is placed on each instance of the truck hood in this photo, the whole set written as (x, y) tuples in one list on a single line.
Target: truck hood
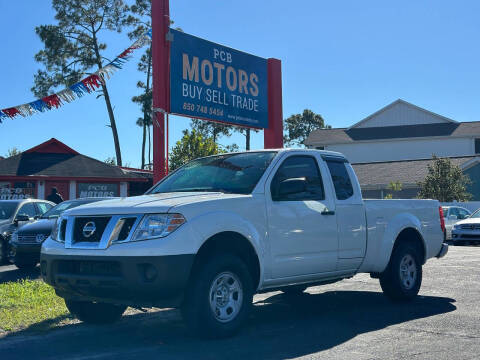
[(154, 203)]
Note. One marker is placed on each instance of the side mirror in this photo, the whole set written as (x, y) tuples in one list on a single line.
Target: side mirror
[(20, 218), (292, 186), (452, 217)]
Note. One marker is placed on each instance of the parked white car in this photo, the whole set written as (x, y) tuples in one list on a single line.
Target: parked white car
[(222, 228), (452, 215), (468, 230)]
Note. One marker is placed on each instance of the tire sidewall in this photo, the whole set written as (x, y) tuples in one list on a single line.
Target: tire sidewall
[(197, 307), (400, 252)]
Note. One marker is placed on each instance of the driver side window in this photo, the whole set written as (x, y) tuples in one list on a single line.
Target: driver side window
[(303, 168), (28, 209)]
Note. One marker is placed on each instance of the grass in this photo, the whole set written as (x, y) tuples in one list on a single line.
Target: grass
[(30, 304)]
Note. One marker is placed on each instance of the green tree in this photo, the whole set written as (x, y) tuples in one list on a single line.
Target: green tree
[(211, 129), (110, 160), (140, 19), (192, 145), (444, 182), (12, 152), (247, 133), (297, 127), (393, 186), (73, 48)]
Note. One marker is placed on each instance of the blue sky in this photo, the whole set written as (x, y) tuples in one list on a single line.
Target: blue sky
[(341, 59)]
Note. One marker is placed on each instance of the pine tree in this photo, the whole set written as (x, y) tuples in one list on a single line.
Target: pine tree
[(73, 48)]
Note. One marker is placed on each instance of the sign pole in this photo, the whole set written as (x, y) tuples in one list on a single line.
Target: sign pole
[(273, 135), (160, 60)]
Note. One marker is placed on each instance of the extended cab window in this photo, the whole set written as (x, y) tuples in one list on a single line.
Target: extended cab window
[(341, 180), (302, 168)]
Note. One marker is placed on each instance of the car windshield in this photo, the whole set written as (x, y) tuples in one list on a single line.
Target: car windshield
[(7, 209), (476, 214), (230, 173), (55, 211)]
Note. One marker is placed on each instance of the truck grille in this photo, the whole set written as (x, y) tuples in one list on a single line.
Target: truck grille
[(89, 229), (470, 227), (96, 268)]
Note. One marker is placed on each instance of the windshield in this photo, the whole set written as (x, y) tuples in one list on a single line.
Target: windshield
[(7, 209), (476, 214), (55, 211), (231, 173)]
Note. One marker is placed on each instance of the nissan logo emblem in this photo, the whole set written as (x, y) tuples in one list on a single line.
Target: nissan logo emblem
[(89, 229)]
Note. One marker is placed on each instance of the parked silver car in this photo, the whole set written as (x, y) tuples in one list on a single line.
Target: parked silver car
[(453, 214), (468, 230)]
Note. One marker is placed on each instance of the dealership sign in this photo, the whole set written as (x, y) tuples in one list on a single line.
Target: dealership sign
[(97, 190), (215, 82)]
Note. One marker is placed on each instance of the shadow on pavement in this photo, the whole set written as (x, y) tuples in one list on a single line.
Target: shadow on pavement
[(12, 273), (279, 327)]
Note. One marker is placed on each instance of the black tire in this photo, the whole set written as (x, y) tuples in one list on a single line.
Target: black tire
[(26, 265), (3, 251), (95, 313), (294, 290), (393, 284), (197, 310)]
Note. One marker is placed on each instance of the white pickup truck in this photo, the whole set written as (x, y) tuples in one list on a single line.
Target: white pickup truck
[(222, 228)]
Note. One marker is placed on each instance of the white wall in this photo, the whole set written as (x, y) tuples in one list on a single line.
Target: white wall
[(404, 149), (401, 114)]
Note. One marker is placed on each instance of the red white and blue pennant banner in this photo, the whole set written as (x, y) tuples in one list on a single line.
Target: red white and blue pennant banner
[(85, 86)]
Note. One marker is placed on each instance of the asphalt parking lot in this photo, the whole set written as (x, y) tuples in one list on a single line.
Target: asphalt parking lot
[(347, 320)]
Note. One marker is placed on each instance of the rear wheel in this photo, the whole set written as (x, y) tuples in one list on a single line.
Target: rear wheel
[(402, 278), (95, 313), (219, 297)]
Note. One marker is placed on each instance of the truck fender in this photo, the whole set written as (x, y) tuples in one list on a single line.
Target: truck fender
[(207, 225), (395, 226)]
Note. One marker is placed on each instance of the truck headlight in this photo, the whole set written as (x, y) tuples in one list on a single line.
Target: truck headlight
[(56, 230), (157, 226), (14, 237), (456, 227)]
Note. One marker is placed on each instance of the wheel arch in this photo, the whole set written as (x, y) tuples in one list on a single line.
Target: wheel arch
[(230, 242), (413, 236)]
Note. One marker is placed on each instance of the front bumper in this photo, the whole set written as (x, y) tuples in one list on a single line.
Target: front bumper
[(24, 251), (130, 280), (465, 235)]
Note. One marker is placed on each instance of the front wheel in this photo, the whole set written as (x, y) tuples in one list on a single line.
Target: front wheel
[(219, 297), (402, 278), (95, 313), (25, 264)]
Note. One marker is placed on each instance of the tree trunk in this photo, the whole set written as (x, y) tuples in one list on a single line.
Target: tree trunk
[(113, 124), (247, 139), (144, 139)]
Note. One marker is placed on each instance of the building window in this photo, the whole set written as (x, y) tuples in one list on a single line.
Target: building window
[(477, 146)]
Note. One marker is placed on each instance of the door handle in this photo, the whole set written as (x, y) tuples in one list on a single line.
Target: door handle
[(327, 212)]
